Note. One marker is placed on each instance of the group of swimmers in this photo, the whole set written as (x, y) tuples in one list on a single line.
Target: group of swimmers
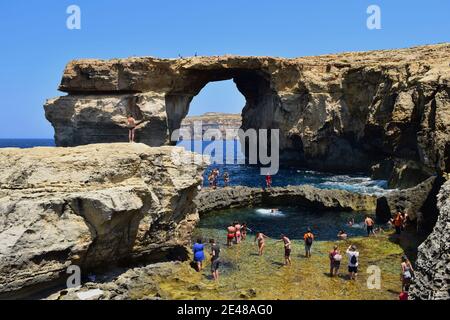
[(237, 232), (213, 178)]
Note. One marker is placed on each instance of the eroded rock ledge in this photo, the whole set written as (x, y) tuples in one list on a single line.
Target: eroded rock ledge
[(91, 206), (302, 196), (384, 109), (433, 261)]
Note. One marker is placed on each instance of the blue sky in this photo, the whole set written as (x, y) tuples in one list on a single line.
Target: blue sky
[(36, 44)]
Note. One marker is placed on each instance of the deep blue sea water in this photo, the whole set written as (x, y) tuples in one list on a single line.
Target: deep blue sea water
[(26, 143), (247, 175)]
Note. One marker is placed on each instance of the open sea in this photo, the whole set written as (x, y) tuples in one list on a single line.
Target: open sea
[(249, 175)]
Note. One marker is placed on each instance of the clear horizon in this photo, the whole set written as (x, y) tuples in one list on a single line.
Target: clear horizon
[(39, 44)]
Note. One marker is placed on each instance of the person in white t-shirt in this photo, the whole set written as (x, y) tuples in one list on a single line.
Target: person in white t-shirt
[(353, 261)]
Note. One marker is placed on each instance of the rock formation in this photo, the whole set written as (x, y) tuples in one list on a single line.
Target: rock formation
[(306, 196), (387, 109), (91, 206), (418, 202), (433, 262)]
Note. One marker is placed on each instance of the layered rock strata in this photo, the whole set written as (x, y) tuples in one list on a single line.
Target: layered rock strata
[(301, 196), (91, 206), (432, 272)]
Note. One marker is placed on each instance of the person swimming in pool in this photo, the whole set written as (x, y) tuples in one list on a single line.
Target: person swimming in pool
[(261, 239)]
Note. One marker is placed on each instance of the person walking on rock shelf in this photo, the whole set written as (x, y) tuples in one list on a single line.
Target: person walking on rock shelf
[(261, 239), (287, 249), (369, 223), (407, 273), (308, 238), (215, 259), (199, 255), (353, 257), (335, 261)]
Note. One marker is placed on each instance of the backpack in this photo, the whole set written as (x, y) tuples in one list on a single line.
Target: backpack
[(353, 259), (309, 240)]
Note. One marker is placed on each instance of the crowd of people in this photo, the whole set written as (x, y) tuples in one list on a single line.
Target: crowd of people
[(237, 232)]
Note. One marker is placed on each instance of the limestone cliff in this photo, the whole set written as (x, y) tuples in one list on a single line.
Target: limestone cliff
[(227, 124), (433, 262), (388, 109), (91, 206)]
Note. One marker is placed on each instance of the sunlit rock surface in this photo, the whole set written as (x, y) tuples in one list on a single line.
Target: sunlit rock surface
[(91, 206), (433, 262)]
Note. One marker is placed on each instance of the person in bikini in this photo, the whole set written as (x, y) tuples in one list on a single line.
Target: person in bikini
[(244, 231), (238, 233), (131, 123), (231, 234), (287, 249), (261, 238)]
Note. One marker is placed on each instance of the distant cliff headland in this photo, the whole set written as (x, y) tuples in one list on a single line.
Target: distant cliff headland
[(227, 123)]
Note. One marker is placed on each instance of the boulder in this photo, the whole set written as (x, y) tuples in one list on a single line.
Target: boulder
[(92, 206)]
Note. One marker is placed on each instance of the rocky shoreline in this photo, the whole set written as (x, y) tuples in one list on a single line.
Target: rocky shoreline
[(299, 196)]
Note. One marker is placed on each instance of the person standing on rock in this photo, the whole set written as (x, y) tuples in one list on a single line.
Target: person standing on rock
[(131, 123), (407, 273), (335, 261), (287, 249), (215, 259), (369, 225), (268, 181), (398, 223), (226, 179), (245, 229), (238, 234), (308, 238), (231, 234), (199, 254), (353, 257), (261, 239)]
